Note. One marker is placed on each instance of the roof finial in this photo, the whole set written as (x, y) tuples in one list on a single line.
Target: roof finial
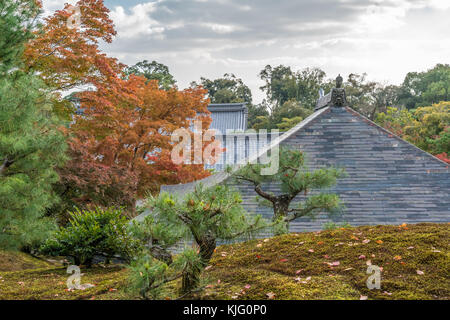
[(336, 98), (339, 81)]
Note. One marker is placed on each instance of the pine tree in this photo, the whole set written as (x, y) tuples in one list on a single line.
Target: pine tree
[(31, 145), (296, 181), (206, 216)]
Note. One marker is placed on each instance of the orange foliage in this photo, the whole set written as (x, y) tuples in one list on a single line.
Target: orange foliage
[(127, 122), (66, 58), (130, 123)]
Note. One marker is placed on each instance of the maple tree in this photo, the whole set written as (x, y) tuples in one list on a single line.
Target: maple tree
[(130, 125), (67, 57), (86, 183), (120, 147)]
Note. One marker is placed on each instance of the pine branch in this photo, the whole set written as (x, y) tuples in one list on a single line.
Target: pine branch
[(300, 213)]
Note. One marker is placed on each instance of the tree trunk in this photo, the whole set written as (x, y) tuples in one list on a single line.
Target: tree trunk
[(191, 278), (280, 211)]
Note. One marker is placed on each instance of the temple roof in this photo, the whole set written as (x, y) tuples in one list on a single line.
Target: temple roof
[(389, 180), (228, 116)]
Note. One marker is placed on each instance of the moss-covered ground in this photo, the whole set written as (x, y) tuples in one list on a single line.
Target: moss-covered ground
[(415, 263)]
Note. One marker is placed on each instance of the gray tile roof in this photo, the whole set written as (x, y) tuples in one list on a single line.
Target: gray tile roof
[(228, 117), (389, 180)]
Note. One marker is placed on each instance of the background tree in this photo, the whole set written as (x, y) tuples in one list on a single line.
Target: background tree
[(288, 123), (282, 84), (31, 147), (420, 89), (153, 71), (369, 97), (284, 117), (228, 89), (206, 216), (290, 94), (255, 113), (426, 127), (294, 178)]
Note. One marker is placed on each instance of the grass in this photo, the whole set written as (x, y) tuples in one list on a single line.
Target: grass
[(330, 264)]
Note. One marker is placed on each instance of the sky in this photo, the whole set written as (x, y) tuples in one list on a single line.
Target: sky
[(208, 38)]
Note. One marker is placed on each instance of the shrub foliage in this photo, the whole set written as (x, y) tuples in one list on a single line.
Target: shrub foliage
[(89, 233)]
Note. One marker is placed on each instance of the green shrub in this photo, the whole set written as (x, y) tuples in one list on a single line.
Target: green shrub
[(99, 231)]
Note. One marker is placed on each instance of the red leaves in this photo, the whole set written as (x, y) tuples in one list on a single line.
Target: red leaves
[(443, 156)]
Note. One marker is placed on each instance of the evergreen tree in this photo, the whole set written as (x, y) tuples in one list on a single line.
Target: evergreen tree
[(30, 143), (205, 216), (296, 181)]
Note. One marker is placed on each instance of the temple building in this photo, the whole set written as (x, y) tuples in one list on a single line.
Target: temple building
[(389, 180)]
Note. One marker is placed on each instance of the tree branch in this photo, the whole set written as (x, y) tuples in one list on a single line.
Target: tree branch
[(300, 213)]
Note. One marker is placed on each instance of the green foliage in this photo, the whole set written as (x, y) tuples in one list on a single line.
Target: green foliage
[(255, 113), (204, 216), (287, 123), (31, 145), (228, 89), (283, 117), (282, 84), (153, 71), (426, 127), (148, 276), (17, 21), (90, 233), (421, 89), (369, 97), (294, 178)]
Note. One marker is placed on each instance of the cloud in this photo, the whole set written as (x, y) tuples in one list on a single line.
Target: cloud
[(138, 23), (195, 38)]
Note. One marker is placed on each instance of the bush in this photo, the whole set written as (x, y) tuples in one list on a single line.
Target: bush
[(99, 231)]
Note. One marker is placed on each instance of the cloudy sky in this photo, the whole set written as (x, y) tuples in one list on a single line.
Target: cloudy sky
[(384, 38)]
